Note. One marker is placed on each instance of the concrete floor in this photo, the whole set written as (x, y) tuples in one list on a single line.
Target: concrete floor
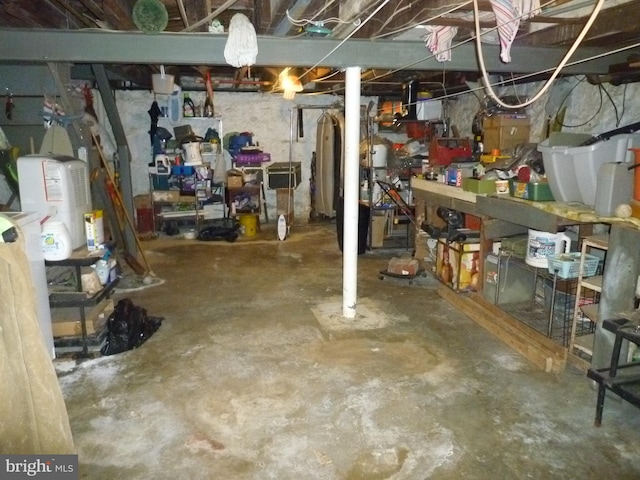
[(255, 375)]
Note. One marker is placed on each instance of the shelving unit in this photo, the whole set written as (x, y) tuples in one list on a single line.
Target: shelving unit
[(185, 198), (585, 312), (78, 299)]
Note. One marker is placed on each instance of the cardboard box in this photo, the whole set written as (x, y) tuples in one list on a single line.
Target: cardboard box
[(284, 203), (378, 230), (505, 131), (234, 181), (94, 229), (65, 321), (458, 264)]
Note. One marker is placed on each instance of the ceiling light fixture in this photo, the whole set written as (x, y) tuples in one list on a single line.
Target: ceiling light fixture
[(290, 84)]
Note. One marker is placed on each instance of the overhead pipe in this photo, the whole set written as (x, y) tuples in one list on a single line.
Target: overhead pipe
[(351, 192)]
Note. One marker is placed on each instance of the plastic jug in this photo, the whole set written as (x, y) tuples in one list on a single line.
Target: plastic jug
[(541, 245), (56, 241)]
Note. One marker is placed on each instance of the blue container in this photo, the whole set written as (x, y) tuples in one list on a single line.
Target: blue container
[(182, 170)]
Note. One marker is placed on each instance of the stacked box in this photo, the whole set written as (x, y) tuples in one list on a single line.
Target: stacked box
[(284, 203), (503, 132), (94, 229), (458, 264)]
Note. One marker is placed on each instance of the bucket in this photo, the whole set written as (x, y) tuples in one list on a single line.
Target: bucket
[(162, 83), (541, 245), (249, 224), (379, 155), (192, 155), (56, 241)]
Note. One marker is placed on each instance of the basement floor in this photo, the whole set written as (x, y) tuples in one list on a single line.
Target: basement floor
[(255, 374)]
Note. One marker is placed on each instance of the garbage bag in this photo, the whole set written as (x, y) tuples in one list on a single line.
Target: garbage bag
[(226, 229), (128, 327)]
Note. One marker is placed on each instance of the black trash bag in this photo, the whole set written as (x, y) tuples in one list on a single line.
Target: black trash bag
[(128, 327), (226, 229)]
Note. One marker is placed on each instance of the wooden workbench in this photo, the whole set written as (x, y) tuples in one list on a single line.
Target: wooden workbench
[(503, 216)]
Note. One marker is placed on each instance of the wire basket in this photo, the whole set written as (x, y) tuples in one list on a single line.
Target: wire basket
[(567, 265)]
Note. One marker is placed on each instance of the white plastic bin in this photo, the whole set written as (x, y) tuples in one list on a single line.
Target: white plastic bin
[(572, 171), (557, 158), (588, 160)]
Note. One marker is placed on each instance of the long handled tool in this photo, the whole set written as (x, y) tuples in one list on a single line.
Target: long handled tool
[(121, 206)]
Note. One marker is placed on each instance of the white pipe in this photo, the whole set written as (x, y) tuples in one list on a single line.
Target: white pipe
[(351, 192)]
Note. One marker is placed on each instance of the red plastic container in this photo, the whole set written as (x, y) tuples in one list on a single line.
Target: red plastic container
[(443, 151)]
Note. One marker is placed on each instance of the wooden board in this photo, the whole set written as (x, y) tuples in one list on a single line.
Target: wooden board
[(420, 185), (65, 322), (538, 349)]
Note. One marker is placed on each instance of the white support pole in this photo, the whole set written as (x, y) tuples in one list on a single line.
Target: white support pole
[(351, 193)]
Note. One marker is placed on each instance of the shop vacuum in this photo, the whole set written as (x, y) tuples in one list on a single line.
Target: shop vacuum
[(453, 231)]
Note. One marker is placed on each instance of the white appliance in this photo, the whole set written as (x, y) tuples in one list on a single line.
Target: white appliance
[(29, 224), (56, 186)]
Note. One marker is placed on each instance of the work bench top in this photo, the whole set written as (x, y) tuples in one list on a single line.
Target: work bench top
[(544, 216)]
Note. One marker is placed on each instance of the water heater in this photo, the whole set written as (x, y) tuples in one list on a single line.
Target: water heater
[(56, 186)]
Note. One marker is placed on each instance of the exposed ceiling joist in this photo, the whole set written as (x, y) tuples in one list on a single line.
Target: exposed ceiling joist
[(612, 19)]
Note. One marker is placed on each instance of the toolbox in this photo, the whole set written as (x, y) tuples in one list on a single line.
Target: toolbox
[(284, 174)]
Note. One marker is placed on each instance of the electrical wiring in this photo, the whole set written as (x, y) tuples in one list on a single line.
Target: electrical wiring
[(557, 70), (396, 11), (470, 39), (624, 97), (411, 25), (615, 107), (362, 24), (521, 77), (562, 124)]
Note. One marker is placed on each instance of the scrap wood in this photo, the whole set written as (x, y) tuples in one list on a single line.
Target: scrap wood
[(144, 267)]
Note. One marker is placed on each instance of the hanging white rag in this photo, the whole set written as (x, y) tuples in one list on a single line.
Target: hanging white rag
[(508, 15), (241, 48), (438, 41)]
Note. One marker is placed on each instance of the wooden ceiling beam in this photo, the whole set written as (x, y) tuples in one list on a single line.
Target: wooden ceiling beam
[(73, 11), (610, 21), (118, 13), (34, 15)]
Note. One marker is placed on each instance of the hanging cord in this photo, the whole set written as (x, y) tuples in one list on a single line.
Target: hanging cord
[(556, 72), (624, 97), (410, 24), (615, 107), (362, 24), (586, 122), (451, 10)]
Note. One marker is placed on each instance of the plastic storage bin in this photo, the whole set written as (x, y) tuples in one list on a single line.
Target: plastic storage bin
[(537, 192), (588, 160), (558, 165), (579, 183)]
